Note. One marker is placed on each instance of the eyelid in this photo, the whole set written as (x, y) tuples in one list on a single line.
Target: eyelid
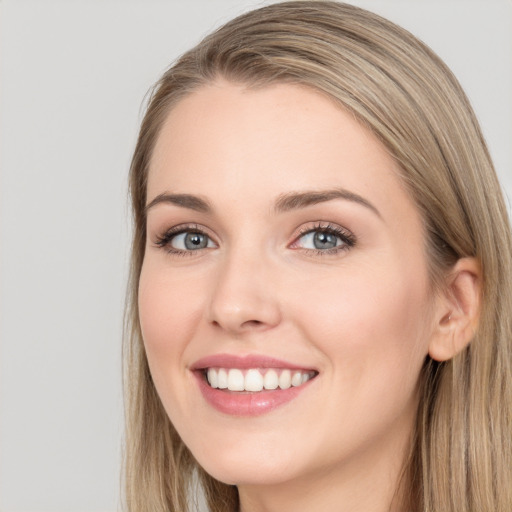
[(163, 240), (347, 237)]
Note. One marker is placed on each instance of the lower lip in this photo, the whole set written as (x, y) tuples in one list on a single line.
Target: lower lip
[(238, 403)]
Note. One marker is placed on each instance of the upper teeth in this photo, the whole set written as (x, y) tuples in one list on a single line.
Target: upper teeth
[(256, 379)]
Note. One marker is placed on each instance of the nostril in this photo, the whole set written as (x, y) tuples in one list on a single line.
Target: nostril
[(252, 324), (249, 325)]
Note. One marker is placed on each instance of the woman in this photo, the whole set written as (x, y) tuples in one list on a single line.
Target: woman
[(321, 277)]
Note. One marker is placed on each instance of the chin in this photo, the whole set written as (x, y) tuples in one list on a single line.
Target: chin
[(255, 465), (247, 473)]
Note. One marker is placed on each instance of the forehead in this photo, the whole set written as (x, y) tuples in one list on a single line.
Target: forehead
[(225, 140)]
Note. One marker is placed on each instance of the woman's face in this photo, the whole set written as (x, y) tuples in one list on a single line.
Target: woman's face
[(282, 250)]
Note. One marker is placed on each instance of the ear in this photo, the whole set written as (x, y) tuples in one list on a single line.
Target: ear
[(457, 310)]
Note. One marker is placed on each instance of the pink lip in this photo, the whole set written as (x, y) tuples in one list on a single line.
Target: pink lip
[(245, 403), (244, 362)]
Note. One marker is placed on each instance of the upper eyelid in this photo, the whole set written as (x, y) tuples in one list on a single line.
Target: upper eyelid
[(184, 227), (168, 234), (333, 227)]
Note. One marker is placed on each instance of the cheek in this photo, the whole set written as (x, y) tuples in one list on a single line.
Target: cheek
[(373, 334), (370, 323), (168, 310)]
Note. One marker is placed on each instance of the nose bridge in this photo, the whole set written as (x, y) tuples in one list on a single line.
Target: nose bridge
[(244, 297)]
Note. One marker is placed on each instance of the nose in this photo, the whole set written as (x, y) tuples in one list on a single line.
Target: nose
[(244, 297)]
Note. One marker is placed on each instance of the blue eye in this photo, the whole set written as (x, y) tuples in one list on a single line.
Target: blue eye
[(320, 240), (325, 239), (183, 240), (190, 241)]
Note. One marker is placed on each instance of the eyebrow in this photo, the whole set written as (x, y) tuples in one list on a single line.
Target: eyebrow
[(284, 203), (296, 200), (184, 200)]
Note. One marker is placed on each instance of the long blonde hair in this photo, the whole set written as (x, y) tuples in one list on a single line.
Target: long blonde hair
[(461, 453)]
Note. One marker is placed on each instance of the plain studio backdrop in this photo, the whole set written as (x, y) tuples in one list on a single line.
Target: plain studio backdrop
[(73, 76)]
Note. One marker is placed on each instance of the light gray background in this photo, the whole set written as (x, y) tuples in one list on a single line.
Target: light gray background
[(73, 75)]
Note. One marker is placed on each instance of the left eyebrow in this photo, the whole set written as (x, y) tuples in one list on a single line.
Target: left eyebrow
[(296, 200)]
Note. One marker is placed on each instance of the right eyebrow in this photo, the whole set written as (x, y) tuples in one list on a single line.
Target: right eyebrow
[(184, 200)]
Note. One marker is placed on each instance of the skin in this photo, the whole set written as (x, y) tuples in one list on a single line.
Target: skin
[(363, 317)]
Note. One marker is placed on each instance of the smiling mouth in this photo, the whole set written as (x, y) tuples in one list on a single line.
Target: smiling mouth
[(256, 379)]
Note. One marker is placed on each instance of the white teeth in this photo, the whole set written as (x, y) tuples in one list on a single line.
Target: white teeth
[(297, 379), (236, 380), (213, 378), (222, 378), (271, 380), (255, 380), (285, 379)]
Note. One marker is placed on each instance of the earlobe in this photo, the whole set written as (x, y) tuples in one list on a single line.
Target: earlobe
[(458, 310)]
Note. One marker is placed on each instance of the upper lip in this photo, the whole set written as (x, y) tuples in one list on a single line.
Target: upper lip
[(244, 362)]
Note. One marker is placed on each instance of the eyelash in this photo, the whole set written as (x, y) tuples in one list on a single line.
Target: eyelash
[(164, 241), (347, 238)]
